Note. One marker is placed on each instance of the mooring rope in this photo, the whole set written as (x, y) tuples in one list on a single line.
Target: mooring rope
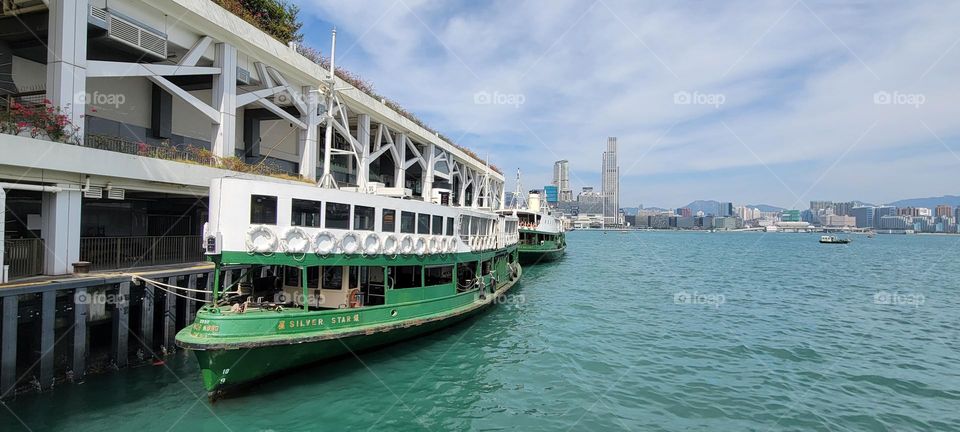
[(171, 288)]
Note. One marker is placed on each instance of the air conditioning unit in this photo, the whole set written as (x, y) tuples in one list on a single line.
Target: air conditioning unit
[(94, 192), (116, 193), (131, 33), (243, 76)]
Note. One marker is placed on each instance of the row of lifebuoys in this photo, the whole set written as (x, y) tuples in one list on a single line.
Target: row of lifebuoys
[(261, 239), (479, 243)]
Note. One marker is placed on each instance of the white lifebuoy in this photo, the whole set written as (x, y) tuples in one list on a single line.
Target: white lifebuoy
[(435, 245), (350, 242), (261, 239), (452, 245), (443, 245), (420, 247), (391, 245), (371, 244), (406, 244), (324, 243), (295, 240)]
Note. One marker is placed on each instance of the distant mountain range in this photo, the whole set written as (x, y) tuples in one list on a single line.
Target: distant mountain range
[(930, 202)]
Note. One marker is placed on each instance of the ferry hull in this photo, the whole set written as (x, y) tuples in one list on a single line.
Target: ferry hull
[(225, 369), (534, 256)]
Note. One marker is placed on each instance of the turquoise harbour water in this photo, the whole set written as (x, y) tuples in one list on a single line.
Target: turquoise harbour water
[(639, 331)]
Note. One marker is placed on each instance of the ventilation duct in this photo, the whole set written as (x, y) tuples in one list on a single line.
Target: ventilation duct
[(131, 33)]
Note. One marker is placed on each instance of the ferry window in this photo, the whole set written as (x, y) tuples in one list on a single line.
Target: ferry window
[(423, 223), (475, 225), (466, 271), (313, 277), (437, 225), (263, 209), (485, 267), (438, 275), (408, 222), (333, 277), (305, 213), (363, 218), (449, 226), (291, 276), (406, 276), (389, 222), (338, 216), (465, 226)]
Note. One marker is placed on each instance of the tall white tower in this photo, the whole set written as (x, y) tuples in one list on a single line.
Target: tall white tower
[(611, 183)]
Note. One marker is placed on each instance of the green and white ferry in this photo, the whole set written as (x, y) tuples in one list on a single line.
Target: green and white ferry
[(345, 271), (542, 237)]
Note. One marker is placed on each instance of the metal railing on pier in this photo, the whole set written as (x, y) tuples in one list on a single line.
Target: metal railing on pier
[(24, 256), (106, 253)]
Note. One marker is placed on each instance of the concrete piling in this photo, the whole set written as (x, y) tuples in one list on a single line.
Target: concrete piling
[(8, 345)]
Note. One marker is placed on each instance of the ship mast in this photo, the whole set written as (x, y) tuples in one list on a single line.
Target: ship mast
[(327, 181)]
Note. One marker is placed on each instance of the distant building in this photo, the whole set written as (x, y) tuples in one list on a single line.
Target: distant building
[(882, 211), (943, 210), (561, 179), (589, 202), (685, 212), (837, 221), (551, 195), (892, 222), (611, 182), (845, 208), (863, 215), (790, 216), (817, 206), (725, 210)]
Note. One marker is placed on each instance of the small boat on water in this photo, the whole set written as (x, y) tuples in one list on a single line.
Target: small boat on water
[(829, 239)]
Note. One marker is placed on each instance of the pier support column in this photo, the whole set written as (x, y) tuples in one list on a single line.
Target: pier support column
[(309, 153), (48, 318), (8, 360), (224, 140), (190, 310), (121, 325), (67, 59), (146, 321), (80, 314), (427, 190), (60, 230), (170, 317), (363, 137)]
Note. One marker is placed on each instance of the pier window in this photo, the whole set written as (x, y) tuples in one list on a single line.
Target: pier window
[(437, 225), (389, 221), (423, 223), (449, 226), (442, 275), (305, 213), (406, 276), (337, 216), (364, 218), (408, 222), (263, 209)]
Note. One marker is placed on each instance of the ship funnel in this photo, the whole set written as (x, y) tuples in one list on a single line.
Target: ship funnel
[(533, 202)]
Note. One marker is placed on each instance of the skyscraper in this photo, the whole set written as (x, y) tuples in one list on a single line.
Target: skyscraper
[(561, 179), (611, 182)]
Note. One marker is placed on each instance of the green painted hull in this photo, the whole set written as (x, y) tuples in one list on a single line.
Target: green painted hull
[(543, 251), (235, 350)]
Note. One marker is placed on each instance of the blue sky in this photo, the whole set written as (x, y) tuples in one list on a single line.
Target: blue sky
[(750, 102)]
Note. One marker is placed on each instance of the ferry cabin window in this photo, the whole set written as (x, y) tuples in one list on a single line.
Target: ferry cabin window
[(465, 226), (263, 209), (333, 277), (363, 218), (337, 216), (423, 223), (437, 225), (408, 222), (486, 266), (389, 222), (406, 276), (438, 275), (449, 226), (305, 213), (291, 276)]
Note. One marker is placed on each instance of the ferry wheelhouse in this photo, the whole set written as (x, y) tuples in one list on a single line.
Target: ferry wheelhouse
[(335, 271)]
